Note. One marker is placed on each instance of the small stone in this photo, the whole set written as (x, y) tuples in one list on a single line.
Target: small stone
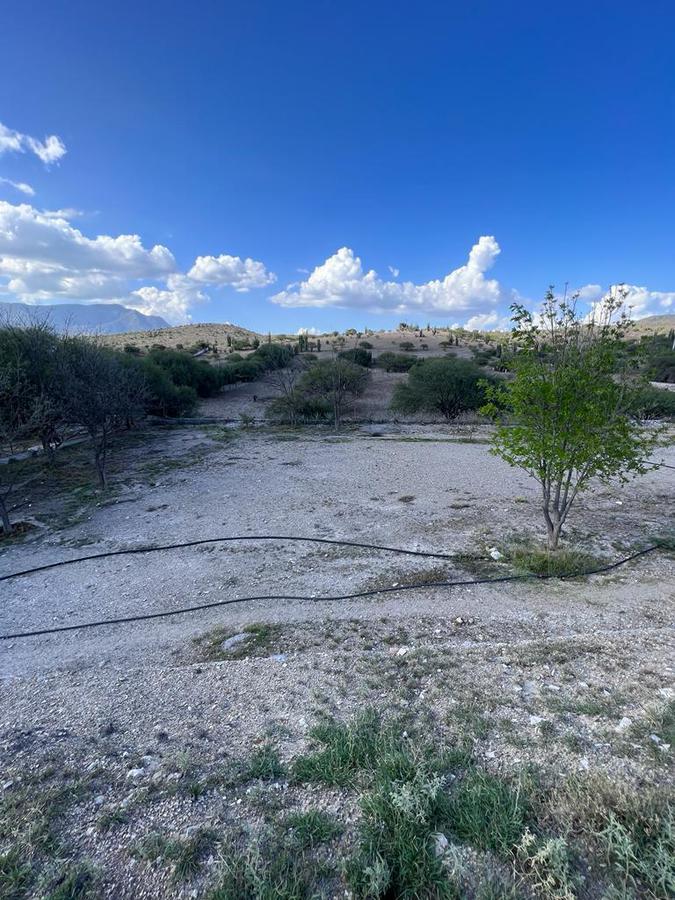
[(135, 773), (100, 800), (494, 553), (402, 651), (231, 642), (536, 720), (623, 725), (278, 657), (440, 843)]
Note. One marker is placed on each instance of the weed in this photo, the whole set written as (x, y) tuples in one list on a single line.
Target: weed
[(265, 763), (489, 813), (312, 827), (558, 563), (347, 749), (397, 855), (250, 875), (188, 854), (111, 817), (76, 882), (15, 875), (150, 847), (547, 864)]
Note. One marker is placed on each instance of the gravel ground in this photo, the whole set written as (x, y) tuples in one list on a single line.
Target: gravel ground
[(582, 656)]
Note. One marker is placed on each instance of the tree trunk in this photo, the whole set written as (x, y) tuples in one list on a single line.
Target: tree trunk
[(4, 517)]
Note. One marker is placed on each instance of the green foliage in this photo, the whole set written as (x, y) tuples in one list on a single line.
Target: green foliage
[(365, 345), (397, 857), (446, 385), (251, 875), (570, 415), (15, 875), (333, 382), (346, 750), (488, 812), (359, 356), (559, 563), (311, 828), (395, 362), (186, 371), (265, 763), (654, 403)]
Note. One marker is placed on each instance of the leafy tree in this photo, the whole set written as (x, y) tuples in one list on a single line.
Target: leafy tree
[(335, 381), (17, 422), (33, 349), (572, 412), (99, 393), (446, 385)]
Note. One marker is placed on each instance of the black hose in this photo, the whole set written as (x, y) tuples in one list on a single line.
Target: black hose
[(357, 595)]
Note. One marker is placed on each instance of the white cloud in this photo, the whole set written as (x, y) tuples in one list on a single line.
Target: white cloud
[(241, 274), (49, 151), (394, 271), (488, 322), (45, 258), (19, 186), (642, 302), (309, 331), (341, 282)]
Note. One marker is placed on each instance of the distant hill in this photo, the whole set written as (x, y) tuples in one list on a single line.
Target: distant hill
[(654, 324), (97, 318), (187, 336)]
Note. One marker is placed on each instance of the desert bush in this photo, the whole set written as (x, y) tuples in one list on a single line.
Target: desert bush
[(365, 345), (359, 356), (446, 385), (407, 346), (654, 403), (395, 362), (186, 371)]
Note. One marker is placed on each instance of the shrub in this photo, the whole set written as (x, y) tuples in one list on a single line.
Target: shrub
[(655, 403), (395, 362), (365, 345), (448, 385), (407, 346), (359, 356)]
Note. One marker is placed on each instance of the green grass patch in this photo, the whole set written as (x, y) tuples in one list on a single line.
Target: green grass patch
[(312, 827), (489, 812), (265, 763), (557, 564)]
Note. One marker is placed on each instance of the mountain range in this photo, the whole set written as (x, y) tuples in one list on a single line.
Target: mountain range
[(97, 318)]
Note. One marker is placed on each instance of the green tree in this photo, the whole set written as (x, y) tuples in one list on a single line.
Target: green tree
[(569, 404), (336, 381), (446, 385)]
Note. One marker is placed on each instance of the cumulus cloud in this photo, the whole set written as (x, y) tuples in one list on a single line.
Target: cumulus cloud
[(45, 258), (241, 274), (50, 150), (19, 186), (488, 322), (341, 282)]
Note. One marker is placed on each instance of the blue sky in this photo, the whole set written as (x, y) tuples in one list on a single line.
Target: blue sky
[(280, 133)]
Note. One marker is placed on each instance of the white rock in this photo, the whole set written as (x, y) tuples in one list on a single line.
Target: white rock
[(440, 843), (135, 773), (494, 553), (624, 724), (535, 720)]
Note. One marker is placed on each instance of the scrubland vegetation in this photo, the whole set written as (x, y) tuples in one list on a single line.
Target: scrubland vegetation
[(490, 741)]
